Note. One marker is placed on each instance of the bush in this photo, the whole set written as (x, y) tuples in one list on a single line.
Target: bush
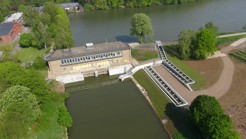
[(1, 18), (39, 64), (64, 117), (26, 40), (89, 7)]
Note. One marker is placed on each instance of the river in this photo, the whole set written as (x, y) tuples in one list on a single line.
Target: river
[(110, 109), (168, 21)]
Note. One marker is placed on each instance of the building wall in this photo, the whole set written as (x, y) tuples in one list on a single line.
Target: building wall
[(5, 39), (87, 68)]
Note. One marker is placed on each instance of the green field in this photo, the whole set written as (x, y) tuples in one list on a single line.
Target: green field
[(48, 126), (144, 54), (29, 54), (240, 55), (179, 123), (225, 40), (200, 80)]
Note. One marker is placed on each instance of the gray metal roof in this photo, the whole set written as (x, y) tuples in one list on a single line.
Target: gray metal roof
[(69, 5), (5, 28), (83, 51)]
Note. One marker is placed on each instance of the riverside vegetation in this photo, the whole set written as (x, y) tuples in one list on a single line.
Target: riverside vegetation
[(30, 106)]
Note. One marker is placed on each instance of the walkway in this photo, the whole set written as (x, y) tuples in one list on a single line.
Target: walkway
[(217, 90)]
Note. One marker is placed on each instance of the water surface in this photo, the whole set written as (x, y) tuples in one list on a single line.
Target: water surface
[(116, 111), (168, 21)]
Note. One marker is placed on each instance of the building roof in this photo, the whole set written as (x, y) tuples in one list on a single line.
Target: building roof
[(5, 28), (63, 5), (68, 5), (85, 51), (13, 17)]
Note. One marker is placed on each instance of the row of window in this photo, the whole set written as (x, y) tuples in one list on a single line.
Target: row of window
[(90, 58)]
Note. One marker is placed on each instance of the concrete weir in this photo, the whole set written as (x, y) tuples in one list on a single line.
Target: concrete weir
[(70, 78)]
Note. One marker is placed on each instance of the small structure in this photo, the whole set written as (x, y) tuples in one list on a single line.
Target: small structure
[(16, 17), (93, 60), (69, 7), (8, 31), (72, 7)]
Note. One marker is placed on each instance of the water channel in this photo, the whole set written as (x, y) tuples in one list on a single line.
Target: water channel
[(168, 21), (105, 108)]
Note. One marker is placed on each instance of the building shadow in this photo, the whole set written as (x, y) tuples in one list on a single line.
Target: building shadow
[(182, 121), (126, 38)]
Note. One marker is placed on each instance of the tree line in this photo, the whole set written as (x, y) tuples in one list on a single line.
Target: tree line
[(198, 45), (10, 6), (50, 28), (113, 4), (23, 93)]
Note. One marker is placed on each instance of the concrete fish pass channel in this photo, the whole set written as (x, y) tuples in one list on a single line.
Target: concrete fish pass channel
[(173, 95)]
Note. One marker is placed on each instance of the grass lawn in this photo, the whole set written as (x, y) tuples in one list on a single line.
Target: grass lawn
[(222, 41), (144, 54), (239, 55), (179, 123), (48, 126), (29, 54), (200, 80)]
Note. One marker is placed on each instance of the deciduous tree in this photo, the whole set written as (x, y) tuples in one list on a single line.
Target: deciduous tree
[(141, 26), (187, 39)]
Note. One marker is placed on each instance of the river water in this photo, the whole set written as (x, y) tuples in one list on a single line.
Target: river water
[(112, 110), (168, 21)]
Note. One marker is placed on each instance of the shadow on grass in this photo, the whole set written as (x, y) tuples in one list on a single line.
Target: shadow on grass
[(182, 122)]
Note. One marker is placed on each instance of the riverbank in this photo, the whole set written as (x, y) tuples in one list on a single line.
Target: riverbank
[(145, 94), (97, 5), (179, 123)]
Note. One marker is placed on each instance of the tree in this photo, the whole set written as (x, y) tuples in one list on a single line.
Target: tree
[(210, 119), (211, 26), (39, 63), (141, 26), (26, 40), (186, 42), (206, 43), (204, 106), (20, 108), (12, 74)]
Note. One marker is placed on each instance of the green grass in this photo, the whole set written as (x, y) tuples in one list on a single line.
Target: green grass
[(239, 55), (225, 40), (157, 97), (200, 80), (179, 123), (144, 54), (29, 54), (48, 126)]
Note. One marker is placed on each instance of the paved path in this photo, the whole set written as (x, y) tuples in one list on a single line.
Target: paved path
[(230, 35), (218, 89)]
